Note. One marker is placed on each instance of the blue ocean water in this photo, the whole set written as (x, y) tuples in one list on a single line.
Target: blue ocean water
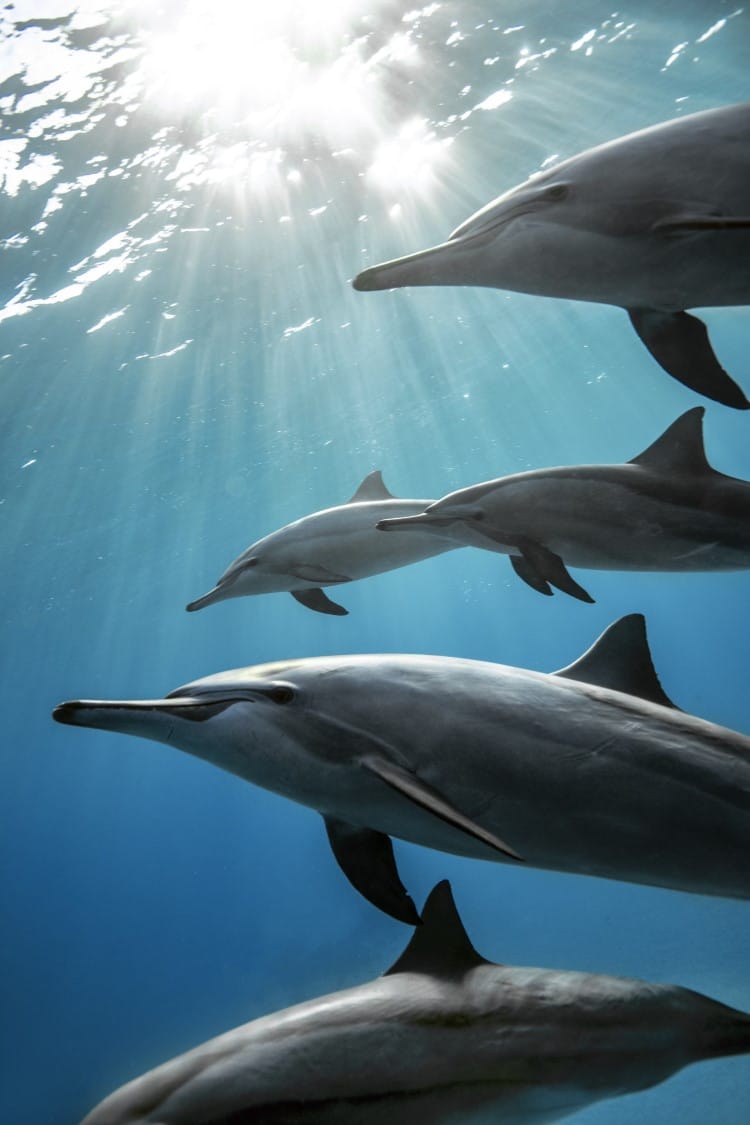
[(187, 190)]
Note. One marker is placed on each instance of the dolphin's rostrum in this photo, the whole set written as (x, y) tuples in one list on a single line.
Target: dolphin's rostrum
[(442, 1036), (656, 222), (589, 770), (666, 510), (328, 548)]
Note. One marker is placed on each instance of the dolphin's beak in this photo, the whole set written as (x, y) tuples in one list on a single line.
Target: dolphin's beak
[(422, 520), (147, 718), (440, 265), (401, 521), (453, 262), (215, 595), (226, 584)]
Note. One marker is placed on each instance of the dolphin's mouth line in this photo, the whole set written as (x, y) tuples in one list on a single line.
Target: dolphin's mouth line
[(221, 699), (228, 579), (491, 227)]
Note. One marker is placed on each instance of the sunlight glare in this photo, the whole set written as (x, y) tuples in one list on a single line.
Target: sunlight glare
[(408, 161), (265, 64), (286, 79)]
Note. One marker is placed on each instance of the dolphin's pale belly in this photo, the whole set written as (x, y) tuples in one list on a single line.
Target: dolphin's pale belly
[(345, 542)]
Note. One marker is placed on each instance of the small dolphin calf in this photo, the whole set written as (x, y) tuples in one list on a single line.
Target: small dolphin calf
[(328, 548), (667, 509), (656, 222), (443, 1036), (590, 769)]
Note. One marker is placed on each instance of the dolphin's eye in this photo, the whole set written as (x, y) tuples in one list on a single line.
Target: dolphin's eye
[(479, 515), (281, 694), (556, 193)]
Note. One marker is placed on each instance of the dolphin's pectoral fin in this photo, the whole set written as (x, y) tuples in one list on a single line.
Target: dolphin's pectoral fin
[(371, 488), (421, 793), (530, 576), (679, 343), (620, 659), (366, 858), (320, 602), (549, 567), (536, 564), (441, 946)]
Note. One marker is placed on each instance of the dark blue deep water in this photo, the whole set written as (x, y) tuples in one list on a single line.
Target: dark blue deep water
[(186, 190)]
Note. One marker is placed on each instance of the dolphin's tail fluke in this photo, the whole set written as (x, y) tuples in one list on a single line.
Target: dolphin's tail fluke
[(440, 265)]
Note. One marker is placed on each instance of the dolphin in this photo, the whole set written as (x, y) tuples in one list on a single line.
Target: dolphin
[(590, 769), (666, 509), (442, 1036), (656, 222), (327, 548)]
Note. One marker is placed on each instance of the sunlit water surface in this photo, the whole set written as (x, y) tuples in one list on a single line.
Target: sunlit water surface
[(187, 190)]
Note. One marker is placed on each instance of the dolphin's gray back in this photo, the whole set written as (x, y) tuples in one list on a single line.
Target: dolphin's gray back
[(525, 1045), (668, 156)]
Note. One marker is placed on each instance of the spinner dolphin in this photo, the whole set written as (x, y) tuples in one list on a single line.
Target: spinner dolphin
[(327, 548), (665, 510), (656, 222), (443, 1036), (590, 769)]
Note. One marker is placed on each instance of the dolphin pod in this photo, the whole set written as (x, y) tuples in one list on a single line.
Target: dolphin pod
[(442, 1036), (666, 509), (656, 222), (328, 548), (590, 769)]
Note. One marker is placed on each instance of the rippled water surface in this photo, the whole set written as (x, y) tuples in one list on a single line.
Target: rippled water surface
[(186, 191)]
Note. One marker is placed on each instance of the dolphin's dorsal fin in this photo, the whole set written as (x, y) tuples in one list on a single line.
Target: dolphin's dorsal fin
[(679, 449), (621, 660), (440, 947), (371, 488)]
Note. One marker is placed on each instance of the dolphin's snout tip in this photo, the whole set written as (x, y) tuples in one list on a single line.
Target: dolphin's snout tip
[(366, 281), (396, 524), (205, 599), (67, 712)]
